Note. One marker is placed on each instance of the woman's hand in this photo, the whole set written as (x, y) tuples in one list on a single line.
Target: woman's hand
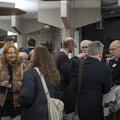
[(9, 86), (5, 83)]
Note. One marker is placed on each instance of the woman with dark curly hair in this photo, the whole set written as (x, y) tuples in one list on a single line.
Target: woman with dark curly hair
[(10, 83), (32, 95)]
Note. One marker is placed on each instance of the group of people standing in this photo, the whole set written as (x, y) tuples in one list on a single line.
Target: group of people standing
[(11, 73), (21, 92), (96, 77)]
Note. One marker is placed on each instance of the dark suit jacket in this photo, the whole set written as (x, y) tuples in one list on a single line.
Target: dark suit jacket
[(115, 73), (28, 50), (95, 82), (32, 97)]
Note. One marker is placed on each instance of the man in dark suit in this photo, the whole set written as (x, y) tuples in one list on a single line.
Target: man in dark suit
[(31, 45), (115, 65), (68, 44), (95, 82)]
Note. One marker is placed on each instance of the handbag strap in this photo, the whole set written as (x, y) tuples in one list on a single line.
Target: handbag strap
[(79, 83), (43, 83)]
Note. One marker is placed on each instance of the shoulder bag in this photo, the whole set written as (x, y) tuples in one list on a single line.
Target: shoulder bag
[(55, 106), (74, 115)]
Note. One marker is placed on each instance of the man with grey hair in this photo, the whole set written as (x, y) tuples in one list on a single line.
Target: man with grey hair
[(95, 49), (84, 48), (23, 57), (84, 45), (95, 82), (114, 64)]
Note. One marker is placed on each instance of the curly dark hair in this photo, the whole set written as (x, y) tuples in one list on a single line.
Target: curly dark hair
[(44, 61)]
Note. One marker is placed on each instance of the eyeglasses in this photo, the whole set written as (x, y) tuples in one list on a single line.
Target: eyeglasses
[(84, 47), (113, 49)]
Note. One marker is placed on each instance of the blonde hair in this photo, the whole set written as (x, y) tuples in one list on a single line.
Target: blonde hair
[(4, 60)]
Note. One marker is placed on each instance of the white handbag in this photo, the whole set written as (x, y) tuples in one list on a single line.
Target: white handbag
[(71, 116), (9, 118), (113, 98), (55, 106)]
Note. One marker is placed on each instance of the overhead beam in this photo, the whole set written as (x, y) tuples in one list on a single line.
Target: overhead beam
[(6, 11)]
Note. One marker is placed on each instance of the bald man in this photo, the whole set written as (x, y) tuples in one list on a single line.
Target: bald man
[(115, 65)]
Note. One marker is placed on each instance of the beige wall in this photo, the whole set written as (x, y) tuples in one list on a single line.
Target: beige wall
[(85, 16)]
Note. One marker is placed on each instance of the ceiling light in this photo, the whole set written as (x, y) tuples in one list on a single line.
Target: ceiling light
[(46, 26)]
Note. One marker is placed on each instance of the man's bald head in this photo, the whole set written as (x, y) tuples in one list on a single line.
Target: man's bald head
[(69, 44), (114, 49)]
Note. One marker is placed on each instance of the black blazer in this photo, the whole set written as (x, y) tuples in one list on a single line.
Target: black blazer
[(115, 73), (28, 50), (32, 97), (95, 82)]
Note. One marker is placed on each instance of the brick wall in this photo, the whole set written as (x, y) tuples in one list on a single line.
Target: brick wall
[(48, 35)]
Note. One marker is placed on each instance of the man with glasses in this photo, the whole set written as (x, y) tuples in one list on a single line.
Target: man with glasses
[(95, 82), (115, 65)]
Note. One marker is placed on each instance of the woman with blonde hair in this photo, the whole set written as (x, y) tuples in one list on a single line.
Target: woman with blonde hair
[(32, 95), (10, 83)]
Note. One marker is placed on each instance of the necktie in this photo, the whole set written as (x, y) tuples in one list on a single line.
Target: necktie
[(115, 61)]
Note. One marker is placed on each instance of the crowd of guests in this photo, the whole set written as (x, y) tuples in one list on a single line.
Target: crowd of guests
[(97, 77), (21, 92), (11, 74), (12, 66)]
